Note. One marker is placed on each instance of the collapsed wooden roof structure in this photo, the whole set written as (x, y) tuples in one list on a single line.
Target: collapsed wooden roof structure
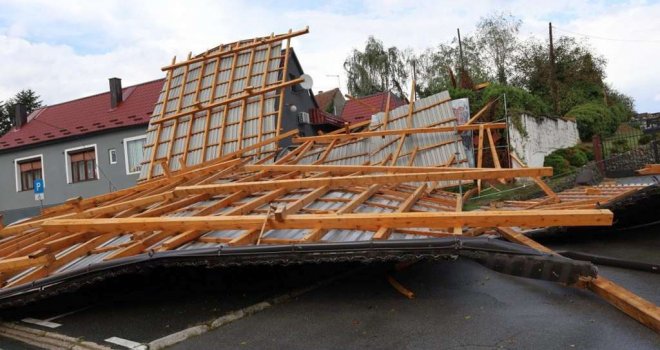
[(217, 189)]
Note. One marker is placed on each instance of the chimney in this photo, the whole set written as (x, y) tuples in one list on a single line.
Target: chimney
[(115, 92), (20, 116)]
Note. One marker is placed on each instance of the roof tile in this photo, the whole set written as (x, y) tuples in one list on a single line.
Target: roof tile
[(87, 114)]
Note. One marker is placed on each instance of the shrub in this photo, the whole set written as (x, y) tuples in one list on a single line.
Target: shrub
[(516, 98), (645, 139), (593, 119), (558, 163), (576, 157)]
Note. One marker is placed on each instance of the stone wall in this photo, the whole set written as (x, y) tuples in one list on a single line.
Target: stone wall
[(533, 138)]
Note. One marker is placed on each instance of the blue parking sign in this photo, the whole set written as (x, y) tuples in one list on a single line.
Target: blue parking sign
[(38, 186)]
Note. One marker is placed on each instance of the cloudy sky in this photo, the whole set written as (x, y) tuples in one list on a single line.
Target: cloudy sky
[(67, 49)]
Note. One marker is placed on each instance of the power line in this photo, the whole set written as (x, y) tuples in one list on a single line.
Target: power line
[(605, 38)]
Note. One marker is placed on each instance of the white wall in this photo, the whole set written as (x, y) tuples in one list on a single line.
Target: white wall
[(544, 135)]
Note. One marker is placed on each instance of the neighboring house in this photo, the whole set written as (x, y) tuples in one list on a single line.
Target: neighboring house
[(83, 147), (648, 122), (362, 108), (308, 117), (331, 101)]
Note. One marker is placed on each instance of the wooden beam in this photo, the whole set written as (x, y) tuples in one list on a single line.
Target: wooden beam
[(360, 221), (327, 138), (16, 264), (361, 180), (230, 100), (359, 199), (481, 112), (238, 48), (385, 232), (396, 154), (633, 305)]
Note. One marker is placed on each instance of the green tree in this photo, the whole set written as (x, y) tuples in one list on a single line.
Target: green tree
[(376, 69), (434, 65), (5, 122), (497, 35), (28, 98)]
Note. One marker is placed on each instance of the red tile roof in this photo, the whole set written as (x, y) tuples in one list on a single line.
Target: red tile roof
[(361, 109), (324, 98), (85, 115)]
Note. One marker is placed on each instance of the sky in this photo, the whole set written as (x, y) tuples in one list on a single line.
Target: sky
[(68, 49)]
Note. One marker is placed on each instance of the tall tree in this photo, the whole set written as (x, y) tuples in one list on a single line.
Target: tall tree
[(376, 69), (498, 36), (5, 122), (434, 65), (27, 97), (579, 72)]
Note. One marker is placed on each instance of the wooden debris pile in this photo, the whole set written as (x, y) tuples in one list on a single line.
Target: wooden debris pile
[(216, 177)]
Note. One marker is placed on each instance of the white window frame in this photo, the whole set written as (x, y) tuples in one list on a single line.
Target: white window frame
[(110, 152), (125, 142), (67, 161), (17, 170)]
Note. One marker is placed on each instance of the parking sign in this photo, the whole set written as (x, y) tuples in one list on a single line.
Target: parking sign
[(38, 189)]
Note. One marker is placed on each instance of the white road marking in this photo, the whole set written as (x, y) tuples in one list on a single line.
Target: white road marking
[(42, 323), (67, 313), (126, 343)]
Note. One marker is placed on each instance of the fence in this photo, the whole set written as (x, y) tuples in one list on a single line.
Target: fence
[(623, 154)]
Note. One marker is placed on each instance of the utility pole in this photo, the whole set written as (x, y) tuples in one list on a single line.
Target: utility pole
[(460, 52), (553, 73)]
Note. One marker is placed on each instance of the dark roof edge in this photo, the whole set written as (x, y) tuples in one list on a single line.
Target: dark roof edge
[(68, 138)]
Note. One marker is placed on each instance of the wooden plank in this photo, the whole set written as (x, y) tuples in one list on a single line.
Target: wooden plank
[(515, 236), (493, 150), (348, 169), (285, 76), (262, 99), (16, 264), (386, 116), (327, 138), (228, 101), (360, 180), (359, 199), (305, 200), (359, 221), (633, 305), (239, 48), (650, 169), (411, 159), (481, 112), (385, 232), (396, 154)]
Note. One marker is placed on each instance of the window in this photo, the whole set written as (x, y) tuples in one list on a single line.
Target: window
[(81, 164), (133, 152), (28, 170), (112, 154)]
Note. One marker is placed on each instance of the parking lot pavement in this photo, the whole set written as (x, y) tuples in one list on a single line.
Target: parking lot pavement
[(144, 307), (458, 304)]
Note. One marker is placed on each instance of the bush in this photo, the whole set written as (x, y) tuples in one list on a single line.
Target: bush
[(577, 157), (645, 139), (516, 99), (558, 163), (593, 119)]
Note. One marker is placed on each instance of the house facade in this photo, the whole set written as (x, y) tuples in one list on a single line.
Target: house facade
[(83, 147), (331, 101)]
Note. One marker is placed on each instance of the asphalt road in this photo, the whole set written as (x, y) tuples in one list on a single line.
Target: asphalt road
[(458, 304)]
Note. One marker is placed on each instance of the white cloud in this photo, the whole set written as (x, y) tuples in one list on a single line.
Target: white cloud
[(68, 49)]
